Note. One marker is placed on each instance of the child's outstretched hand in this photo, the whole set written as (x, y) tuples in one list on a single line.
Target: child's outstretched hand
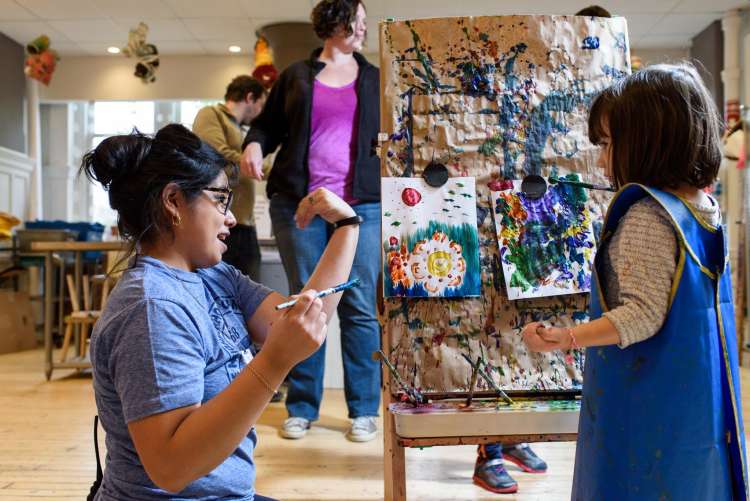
[(540, 338)]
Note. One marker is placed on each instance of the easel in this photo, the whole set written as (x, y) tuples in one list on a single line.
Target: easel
[(394, 446)]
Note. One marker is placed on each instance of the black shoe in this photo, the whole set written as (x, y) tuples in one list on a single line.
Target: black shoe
[(522, 456), (490, 474)]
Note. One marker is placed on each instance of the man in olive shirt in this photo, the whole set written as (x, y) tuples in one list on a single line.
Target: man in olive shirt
[(220, 126)]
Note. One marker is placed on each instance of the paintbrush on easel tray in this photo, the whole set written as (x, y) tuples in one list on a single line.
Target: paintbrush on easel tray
[(414, 395), (473, 382), (489, 380), (580, 184)]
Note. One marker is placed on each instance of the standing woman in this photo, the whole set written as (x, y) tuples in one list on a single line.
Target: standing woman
[(324, 113)]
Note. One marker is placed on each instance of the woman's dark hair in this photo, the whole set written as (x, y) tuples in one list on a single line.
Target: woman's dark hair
[(664, 128), (241, 86), (329, 15), (135, 169), (594, 10)]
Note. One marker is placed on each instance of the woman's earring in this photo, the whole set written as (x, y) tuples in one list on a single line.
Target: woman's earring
[(176, 221)]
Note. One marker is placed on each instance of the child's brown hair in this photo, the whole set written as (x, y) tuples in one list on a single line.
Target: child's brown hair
[(664, 128)]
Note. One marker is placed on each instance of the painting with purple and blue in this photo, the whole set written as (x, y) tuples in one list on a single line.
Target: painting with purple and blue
[(546, 244)]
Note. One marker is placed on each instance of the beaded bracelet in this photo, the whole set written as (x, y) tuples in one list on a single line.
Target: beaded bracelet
[(573, 343), (260, 378)]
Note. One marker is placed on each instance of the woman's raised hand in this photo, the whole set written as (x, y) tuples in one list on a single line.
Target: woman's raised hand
[(323, 203)]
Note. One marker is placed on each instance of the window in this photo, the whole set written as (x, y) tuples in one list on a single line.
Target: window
[(120, 117), (109, 118)]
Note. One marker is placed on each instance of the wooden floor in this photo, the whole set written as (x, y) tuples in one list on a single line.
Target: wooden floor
[(46, 449)]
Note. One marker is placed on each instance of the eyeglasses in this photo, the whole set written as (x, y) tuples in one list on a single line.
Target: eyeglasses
[(222, 204)]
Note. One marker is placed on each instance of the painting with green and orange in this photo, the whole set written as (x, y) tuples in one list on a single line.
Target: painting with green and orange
[(546, 244), (494, 98)]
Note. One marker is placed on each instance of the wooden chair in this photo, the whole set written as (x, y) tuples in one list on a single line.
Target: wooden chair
[(85, 318)]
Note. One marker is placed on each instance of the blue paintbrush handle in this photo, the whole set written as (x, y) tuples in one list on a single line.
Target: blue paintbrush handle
[(325, 292)]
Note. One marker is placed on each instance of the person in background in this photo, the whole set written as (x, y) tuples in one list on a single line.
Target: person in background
[(324, 113), (489, 470), (220, 126), (177, 387)]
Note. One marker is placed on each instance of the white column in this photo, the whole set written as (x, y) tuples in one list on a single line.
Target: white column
[(730, 24), (733, 178), (58, 165), (33, 135)]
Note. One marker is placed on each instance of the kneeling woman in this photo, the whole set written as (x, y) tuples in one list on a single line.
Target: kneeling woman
[(177, 388)]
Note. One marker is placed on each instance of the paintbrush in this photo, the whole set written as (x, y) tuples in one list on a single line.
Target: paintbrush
[(581, 184), (473, 382), (489, 380), (414, 395), (323, 293)]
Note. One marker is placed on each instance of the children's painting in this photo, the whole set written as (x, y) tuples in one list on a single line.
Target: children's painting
[(546, 244), (430, 240), (493, 98)]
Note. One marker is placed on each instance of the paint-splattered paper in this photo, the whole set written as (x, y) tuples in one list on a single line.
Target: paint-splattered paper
[(547, 244), (430, 240), (494, 98)]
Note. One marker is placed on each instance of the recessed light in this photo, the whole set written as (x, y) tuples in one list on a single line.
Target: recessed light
[(113, 50), (235, 48)]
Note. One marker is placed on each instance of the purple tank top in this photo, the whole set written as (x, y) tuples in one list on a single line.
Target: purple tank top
[(333, 139)]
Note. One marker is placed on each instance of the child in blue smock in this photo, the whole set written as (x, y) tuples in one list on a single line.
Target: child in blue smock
[(661, 415)]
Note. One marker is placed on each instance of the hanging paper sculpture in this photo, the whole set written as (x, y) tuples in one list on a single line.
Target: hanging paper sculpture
[(496, 99), (430, 240), (264, 70), (41, 60), (146, 53), (546, 244)]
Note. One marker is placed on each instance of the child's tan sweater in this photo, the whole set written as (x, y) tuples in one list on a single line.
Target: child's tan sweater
[(639, 264)]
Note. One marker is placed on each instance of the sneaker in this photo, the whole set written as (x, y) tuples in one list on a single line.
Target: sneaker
[(295, 427), (522, 456), (490, 474), (364, 429)]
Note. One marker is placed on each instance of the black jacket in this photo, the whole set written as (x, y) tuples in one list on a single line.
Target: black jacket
[(285, 120)]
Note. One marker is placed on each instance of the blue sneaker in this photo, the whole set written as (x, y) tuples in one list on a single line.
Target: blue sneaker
[(522, 456), (490, 472)]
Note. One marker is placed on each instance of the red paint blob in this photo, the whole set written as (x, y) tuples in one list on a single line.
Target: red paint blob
[(497, 185), (393, 241), (411, 197)]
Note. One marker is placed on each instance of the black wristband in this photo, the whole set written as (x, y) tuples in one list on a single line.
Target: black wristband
[(349, 220)]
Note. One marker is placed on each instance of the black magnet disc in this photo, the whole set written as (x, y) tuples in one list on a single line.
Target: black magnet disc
[(533, 186), (435, 174)]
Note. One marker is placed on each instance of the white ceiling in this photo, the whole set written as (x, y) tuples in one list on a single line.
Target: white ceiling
[(200, 27)]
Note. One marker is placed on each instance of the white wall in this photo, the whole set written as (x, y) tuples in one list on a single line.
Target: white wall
[(15, 182), (111, 78), (656, 56)]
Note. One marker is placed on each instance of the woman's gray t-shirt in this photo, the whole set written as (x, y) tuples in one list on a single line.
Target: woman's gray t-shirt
[(167, 339)]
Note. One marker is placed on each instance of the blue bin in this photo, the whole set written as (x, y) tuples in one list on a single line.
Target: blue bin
[(86, 232)]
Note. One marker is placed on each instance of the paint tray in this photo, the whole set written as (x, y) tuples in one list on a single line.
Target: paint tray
[(447, 418)]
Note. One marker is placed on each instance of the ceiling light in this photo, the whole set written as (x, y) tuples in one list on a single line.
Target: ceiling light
[(235, 48), (113, 50)]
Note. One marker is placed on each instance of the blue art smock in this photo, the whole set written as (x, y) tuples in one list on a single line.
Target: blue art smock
[(662, 418)]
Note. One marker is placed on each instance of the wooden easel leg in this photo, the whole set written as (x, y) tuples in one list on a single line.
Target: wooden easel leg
[(395, 462)]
